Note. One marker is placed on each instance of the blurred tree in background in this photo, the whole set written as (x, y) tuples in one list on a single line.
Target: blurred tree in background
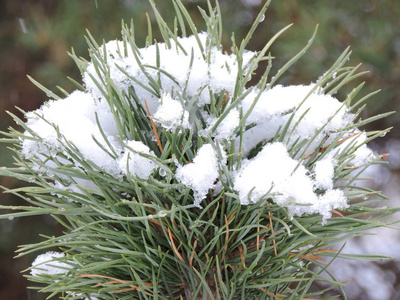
[(36, 35)]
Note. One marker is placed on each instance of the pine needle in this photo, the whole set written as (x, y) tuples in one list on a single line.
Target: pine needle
[(174, 246), (154, 127)]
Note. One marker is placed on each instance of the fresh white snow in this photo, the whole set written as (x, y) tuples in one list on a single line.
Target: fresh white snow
[(287, 183), (84, 120), (47, 264), (134, 162), (201, 175), (311, 110), (170, 114)]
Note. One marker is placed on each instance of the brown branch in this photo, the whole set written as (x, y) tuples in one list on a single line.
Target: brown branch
[(322, 150), (115, 280), (337, 213), (314, 255), (192, 254), (242, 256), (272, 231), (154, 127), (174, 247)]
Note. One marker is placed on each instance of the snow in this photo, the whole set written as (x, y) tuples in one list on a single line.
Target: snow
[(312, 111), (86, 122), (228, 125), (134, 163), (201, 174), (324, 173), (225, 129), (288, 184), (190, 70), (71, 119), (48, 264), (170, 114)]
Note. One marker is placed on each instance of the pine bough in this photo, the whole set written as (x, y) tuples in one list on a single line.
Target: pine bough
[(175, 179)]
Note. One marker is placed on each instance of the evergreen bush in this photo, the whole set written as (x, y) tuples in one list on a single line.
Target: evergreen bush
[(176, 179)]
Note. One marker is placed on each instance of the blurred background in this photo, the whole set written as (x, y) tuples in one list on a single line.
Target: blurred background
[(35, 37)]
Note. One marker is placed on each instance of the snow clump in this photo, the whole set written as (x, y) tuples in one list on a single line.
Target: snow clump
[(287, 183), (311, 111), (189, 74), (48, 264), (134, 162), (201, 175), (170, 114)]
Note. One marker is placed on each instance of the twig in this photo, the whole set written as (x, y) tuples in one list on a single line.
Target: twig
[(272, 231), (116, 280), (174, 247), (322, 150), (192, 254), (154, 127)]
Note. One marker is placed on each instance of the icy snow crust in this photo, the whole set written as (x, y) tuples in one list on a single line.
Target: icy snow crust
[(84, 120)]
